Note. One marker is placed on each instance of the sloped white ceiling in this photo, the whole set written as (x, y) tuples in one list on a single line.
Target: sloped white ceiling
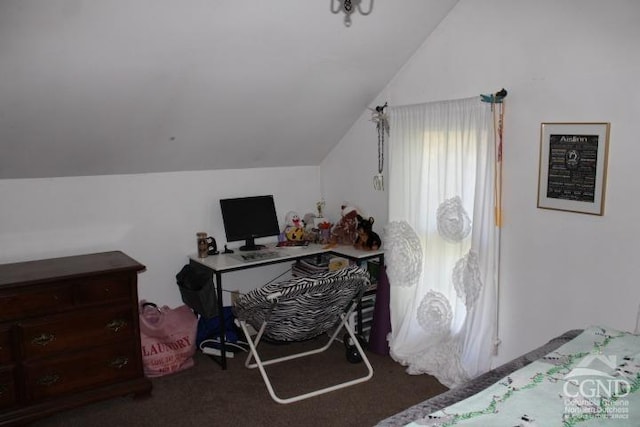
[(92, 87)]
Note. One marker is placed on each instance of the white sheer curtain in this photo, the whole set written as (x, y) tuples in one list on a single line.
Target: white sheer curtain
[(441, 241)]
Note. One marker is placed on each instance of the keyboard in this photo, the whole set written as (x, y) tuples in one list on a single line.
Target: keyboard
[(292, 243), (258, 255)]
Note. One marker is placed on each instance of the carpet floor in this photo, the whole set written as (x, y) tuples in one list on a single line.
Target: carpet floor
[(206, 395)]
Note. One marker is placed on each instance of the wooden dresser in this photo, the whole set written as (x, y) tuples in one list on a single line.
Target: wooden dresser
[(69, 334)]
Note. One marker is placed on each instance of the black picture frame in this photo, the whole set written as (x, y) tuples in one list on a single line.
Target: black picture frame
[(573, 167)]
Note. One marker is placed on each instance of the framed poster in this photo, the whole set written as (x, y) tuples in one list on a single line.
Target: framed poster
[(573, 166)]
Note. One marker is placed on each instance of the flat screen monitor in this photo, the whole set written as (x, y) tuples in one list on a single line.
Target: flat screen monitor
[(247, 218)]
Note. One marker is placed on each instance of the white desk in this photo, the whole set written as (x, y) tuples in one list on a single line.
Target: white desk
[(225, 263)]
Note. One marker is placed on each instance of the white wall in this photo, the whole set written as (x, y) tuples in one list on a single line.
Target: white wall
[(348, 171), (573, 60), (151, 217)]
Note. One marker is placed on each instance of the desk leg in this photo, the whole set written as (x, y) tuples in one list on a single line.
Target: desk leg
[(359, 318), (359, 328), (381, 323), (222, 359), (223, 347)]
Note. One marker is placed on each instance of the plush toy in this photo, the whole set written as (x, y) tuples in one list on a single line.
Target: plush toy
[(308, 221), (367, 239), (344, 232), (311, 229), (294, 228)]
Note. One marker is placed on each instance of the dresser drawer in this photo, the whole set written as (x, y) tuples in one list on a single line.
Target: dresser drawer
[(26, 303), (77, 330), (103, 289), (81, 370), (7, 387), (5, 346)]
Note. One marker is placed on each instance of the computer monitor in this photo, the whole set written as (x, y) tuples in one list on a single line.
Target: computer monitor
[(247, 218)]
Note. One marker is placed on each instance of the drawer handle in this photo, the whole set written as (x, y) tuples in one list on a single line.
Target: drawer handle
[(43, 339), (119, 362), (48, 380), (116, 324)]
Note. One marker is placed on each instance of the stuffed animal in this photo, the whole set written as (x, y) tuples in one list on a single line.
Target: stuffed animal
[(311, 232), (367, 239), (294, 228), (308, 221), (344, 232)]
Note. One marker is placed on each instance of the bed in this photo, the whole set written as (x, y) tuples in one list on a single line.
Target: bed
[(582, 377)]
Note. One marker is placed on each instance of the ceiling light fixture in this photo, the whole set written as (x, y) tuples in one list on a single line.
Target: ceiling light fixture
[(348, 7)]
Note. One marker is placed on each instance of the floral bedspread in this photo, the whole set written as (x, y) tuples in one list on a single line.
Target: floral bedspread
[(593, 380)]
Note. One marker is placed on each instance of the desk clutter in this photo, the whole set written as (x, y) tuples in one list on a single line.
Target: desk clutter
[(353, 228), (311, 265), (250, 218), (206, 245), (329, 262)]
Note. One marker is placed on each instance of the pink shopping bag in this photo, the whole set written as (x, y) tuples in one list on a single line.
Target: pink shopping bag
[(168, 338)]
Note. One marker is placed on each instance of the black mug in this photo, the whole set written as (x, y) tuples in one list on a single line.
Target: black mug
[(212, 246)]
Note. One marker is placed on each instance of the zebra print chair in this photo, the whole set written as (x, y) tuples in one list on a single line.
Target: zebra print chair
[(300, 309)]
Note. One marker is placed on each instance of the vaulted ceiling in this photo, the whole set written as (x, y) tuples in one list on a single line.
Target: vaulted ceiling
[(92, 87)]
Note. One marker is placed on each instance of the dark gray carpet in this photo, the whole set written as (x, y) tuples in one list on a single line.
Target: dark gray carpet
[(205, 395)]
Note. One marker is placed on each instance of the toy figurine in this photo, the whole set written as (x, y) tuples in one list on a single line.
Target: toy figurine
[(344, 232), (294, 228), (367, 239)]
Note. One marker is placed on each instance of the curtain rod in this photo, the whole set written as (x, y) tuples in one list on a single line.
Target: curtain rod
[(494, 98)]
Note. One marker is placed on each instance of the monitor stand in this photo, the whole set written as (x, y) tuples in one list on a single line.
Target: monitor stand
[(250, 245)]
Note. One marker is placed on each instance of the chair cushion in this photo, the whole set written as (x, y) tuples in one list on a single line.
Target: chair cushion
[(307, 306)]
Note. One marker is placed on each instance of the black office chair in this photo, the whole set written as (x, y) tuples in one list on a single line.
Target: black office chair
[(300, 309)]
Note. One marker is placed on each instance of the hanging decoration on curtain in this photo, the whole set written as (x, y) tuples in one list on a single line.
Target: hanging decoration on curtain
[(466, 279), (495, 98), (403, 252), (453, 222), (380, 118), (498, 119), (435, 314)]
